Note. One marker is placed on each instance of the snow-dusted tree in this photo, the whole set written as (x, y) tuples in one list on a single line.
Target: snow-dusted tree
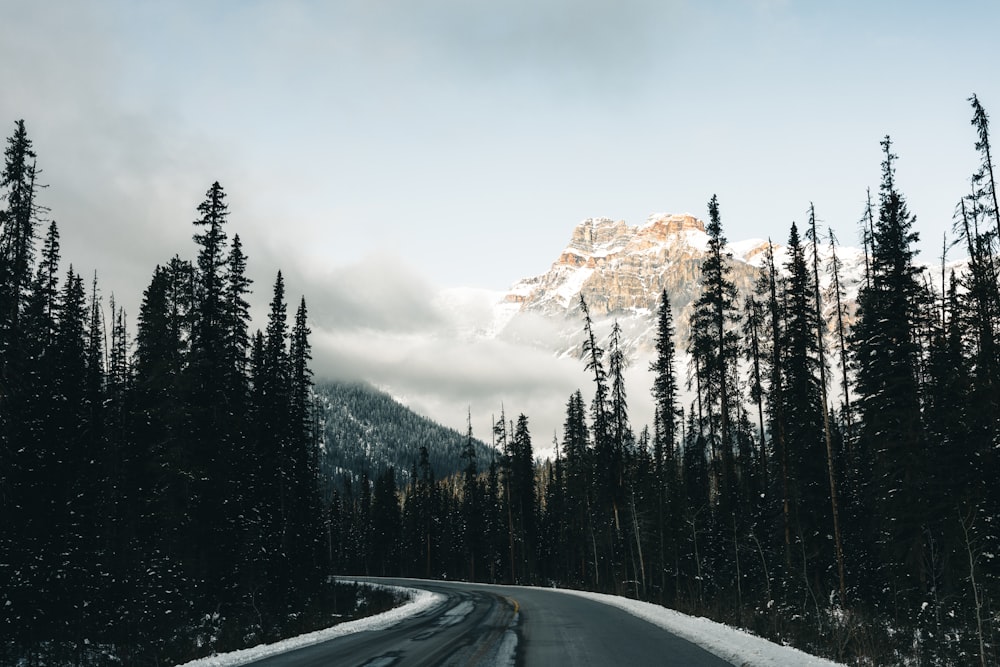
[(886, 353), (714, 349)]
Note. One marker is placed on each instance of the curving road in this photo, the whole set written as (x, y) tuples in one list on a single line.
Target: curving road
[(483, 626)]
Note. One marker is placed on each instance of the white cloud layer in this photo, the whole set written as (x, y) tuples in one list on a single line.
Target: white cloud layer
[(429, 349)]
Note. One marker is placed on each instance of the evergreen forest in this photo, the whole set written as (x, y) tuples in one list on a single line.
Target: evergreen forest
[(827, 481), (160, 497)]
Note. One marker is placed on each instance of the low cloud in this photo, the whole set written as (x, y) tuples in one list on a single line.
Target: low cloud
[(375, 297), (443, 376), (437, 352)]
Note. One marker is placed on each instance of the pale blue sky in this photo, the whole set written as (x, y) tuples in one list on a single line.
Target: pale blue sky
[(469, 138), (379, 149)]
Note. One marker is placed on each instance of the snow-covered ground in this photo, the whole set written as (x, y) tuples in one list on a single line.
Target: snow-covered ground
[(738, 647), (421, 600)]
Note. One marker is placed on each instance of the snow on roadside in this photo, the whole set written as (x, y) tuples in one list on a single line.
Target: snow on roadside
[(738, 647), (420, 601)]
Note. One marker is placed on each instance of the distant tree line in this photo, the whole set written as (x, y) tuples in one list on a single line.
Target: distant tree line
[(159, 495), (832, 484)]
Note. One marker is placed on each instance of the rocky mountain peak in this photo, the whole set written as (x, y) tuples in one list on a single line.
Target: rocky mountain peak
[(661, 225), (621, 270), (598, 240)]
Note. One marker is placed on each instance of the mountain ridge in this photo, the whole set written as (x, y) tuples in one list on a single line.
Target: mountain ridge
[(621, 270)]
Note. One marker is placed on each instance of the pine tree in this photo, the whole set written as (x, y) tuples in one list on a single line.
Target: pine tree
[(665, 429), (555, 559), (472, 502), (159, 428), (523, 503), (493, 522), (840, 309), (236, 320), (579, 501), (605, 516), (802, 411), (275, 471), (824, 406), (301, 375), (71, 470), (774, 299), (304, 459), (17, 238), (713, 346), (753, 333), (947, 407), (17, 234), (209, 323), (979, 226), (214, 422), (984, 176), (886, 354), (601, 428), (622, 436)]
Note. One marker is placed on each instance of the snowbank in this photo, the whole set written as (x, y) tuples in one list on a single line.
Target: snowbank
[(736, 646), (421, 600)]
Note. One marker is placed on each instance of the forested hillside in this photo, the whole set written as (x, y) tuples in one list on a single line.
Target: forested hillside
[(365, 430)]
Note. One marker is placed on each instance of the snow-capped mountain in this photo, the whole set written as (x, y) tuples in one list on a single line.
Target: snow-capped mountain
[(621, 270)]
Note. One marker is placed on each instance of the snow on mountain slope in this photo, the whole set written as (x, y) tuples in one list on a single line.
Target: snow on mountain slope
[(621, 271)]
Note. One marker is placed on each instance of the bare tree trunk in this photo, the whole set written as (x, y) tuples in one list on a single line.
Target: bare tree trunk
[(976, 595), (826, 413), (868, 239), (638, 546), (697, 559), (842, 335), (593, 542), (739, 576)]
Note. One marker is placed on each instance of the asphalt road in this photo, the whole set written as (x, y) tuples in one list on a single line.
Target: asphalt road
[(486, 626)]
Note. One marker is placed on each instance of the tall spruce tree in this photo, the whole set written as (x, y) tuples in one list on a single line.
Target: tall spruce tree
[(713, 345), (18, 218), (523, 501), (303, 456), (601, 427), (802, 413), (579, 500), (472, 505), (273, 429), (886, 353), (772, 294), (835, 267), (665, 431), (213, 421), (17, 234), (978, 225), (831, 465), (622, 437)]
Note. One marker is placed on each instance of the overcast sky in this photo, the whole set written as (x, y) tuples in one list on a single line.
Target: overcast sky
[(379, 150)]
